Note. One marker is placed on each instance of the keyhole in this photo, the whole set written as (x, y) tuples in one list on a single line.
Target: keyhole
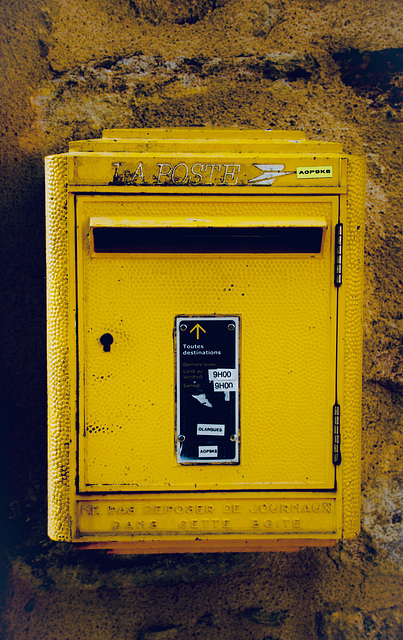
[(106, 341)]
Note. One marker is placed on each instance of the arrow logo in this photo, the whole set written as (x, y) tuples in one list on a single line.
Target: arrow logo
[(202, 398), (197, 327), (270, 173)]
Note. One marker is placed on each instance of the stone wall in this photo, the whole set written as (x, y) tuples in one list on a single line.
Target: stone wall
[(329, 67)]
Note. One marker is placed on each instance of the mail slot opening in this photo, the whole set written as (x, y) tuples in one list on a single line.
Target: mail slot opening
[(207, 239)]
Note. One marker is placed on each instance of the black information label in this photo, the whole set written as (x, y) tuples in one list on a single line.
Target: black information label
[(207, 389)]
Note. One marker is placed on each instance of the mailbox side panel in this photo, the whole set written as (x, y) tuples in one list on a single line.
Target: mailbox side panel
[(59, 353), (351, 364)]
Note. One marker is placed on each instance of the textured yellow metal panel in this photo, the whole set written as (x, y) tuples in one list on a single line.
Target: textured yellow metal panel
[(287, 305), (351, 347), (59, 336)]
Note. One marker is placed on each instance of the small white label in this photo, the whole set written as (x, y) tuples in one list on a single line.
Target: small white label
[(211, 429), (222, 374), (225, 385), (208, 452), (315, 172)]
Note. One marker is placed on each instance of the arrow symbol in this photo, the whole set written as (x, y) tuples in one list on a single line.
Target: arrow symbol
[(197, 327), (270, 173)]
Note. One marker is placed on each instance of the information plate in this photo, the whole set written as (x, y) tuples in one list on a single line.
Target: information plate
[(207, 389)]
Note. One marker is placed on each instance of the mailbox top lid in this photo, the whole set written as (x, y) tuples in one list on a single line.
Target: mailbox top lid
[(207, 158), (206, 133), (203, 140)]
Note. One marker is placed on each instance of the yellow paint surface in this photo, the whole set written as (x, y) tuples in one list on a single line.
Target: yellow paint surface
[(287, 306)]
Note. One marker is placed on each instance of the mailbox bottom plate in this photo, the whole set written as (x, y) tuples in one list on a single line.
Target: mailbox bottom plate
[(218, 517)]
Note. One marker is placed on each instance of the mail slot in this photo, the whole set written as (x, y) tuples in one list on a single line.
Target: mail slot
[(207, 240), (204, 341)]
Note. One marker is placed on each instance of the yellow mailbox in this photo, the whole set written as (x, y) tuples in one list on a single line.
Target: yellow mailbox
[(204, 341)]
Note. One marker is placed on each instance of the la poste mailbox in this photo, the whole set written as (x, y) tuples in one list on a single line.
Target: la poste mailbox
[(204, 340)]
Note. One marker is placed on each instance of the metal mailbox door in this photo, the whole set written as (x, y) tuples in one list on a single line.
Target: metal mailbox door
[(145, 263)]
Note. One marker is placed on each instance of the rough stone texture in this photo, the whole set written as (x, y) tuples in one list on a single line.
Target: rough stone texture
[(330, 67)]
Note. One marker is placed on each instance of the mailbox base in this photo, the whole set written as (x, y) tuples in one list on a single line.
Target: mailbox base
[(205, 546)]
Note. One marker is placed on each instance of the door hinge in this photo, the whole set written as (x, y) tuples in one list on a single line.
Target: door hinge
[(336, 435), (338, 255)]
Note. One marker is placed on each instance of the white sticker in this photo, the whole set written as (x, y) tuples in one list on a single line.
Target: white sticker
[(315, 172), (208, 452), (225, 385), (211, 429), (222, 374)]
